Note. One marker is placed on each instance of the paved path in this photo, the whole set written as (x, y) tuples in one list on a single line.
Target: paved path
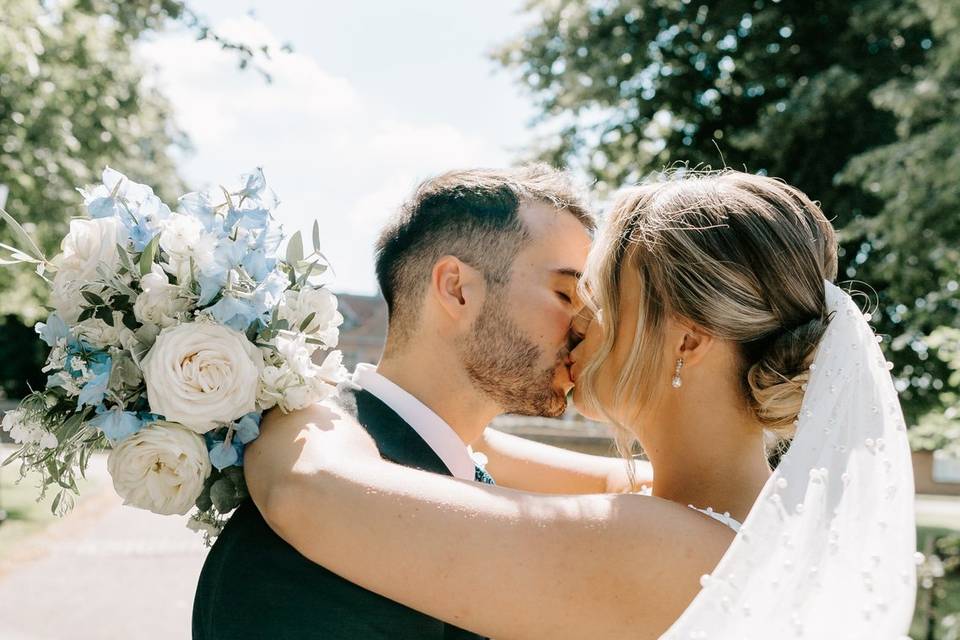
[(105, 572)]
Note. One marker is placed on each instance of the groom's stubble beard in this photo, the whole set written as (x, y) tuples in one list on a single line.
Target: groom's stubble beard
[(504, 364)]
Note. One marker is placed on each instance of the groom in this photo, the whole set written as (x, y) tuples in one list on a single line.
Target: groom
[(479, 271)]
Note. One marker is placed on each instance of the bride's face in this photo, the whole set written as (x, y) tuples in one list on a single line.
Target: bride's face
[(593, 329)]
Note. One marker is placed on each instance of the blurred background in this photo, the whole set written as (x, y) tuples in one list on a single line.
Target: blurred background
[(347, 105)]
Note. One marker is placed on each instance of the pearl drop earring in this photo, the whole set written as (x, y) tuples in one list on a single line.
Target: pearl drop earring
[(677, 382)]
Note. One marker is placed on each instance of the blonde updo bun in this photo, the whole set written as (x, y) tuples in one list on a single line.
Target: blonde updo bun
[(744, 257)]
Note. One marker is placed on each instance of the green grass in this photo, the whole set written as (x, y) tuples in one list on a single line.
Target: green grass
[(25, 516)]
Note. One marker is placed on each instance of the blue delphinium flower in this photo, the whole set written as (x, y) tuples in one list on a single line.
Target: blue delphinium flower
[(258, 264), (247, 428), (149, 216), (269, 239), (116, 423), (199, 205), (52, 330), (213, 273), (236, 313), (267, 294), (93, 391), (223, 455), (253, 184), (136, 206)]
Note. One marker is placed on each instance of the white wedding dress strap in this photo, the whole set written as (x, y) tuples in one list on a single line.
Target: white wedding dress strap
[(723, 518)]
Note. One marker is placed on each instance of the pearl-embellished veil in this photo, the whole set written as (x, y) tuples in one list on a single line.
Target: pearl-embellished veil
[(827, 550)]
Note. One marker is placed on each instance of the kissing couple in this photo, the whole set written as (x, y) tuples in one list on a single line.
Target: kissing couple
[(701, 321)]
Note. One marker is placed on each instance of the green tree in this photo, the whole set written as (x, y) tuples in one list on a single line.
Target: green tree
[(786, 88), (72, 101), (916, 230)]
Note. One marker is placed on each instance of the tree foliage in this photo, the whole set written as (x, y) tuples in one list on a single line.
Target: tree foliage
[(849, 101), (72, 101)]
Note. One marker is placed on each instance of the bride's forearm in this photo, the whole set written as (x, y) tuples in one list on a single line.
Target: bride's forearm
[(520, 463), (430, 545)]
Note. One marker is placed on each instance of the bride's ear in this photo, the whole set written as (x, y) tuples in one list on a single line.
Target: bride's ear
[(691, 343)]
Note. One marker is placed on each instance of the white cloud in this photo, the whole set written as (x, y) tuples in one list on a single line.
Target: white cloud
[(328, 152)]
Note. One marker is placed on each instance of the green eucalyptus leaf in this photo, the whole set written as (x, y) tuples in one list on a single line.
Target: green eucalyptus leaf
[(295, 248), (92, 298), (23, 237), (224, 495), (306, 321), (105, 314), (148, 255)]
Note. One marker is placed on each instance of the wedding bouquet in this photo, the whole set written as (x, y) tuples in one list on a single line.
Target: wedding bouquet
[(170, 332)]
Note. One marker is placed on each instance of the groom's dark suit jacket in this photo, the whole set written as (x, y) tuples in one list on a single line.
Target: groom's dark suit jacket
[(255, 585)]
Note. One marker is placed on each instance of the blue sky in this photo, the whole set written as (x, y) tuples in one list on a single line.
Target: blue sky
[(375, 97)]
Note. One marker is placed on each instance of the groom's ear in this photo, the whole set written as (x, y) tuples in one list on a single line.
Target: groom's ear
[(457, 288)]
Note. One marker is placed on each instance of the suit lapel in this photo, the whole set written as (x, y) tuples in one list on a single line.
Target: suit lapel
[(396, 439)]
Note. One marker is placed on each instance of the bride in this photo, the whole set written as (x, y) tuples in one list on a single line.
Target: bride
[(715, 334)]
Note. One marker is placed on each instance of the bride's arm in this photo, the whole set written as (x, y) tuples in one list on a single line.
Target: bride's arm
[(502, 563), (519, 463)]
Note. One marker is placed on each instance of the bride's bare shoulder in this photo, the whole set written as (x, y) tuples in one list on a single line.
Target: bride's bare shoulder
[(664, 549), (319, 415), (293, 439)]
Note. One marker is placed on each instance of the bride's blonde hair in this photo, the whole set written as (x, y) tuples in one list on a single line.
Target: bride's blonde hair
[(742, 256)]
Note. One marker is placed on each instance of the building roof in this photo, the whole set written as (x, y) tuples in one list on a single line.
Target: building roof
[(364, 317)]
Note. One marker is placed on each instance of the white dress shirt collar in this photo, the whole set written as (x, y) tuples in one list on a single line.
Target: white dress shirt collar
[(438, 435)]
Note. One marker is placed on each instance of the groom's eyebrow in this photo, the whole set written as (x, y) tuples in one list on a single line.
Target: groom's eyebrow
[(565, 271)]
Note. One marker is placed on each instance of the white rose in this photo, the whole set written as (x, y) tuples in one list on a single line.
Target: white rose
[(65, 296), (160, 302), (89, 243), (182, 238), (202, 374), (295, 306), (291, 390), (160, 468), (102, 335), (293, 348), (273, 381)]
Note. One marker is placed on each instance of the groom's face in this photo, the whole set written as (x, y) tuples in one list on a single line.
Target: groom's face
[(518, 347)]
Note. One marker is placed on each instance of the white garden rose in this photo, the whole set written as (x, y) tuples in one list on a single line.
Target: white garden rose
[(296, 306), (296, 352), (274, 380), (88, 244), (290, 389), (160, 302), (182, 238), (202, 374), (65, 296), (160, 468), (101, 335)]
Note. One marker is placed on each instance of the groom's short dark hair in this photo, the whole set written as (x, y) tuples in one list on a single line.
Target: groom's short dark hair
[(470, 214)]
